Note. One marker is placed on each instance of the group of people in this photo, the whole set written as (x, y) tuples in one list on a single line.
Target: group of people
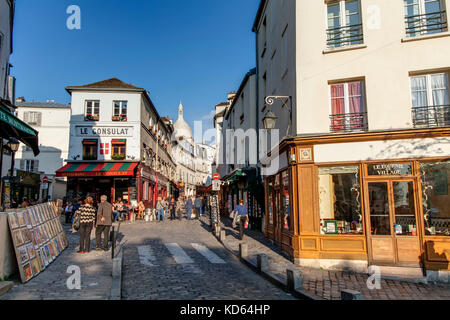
[(90, 217), (189, 205)]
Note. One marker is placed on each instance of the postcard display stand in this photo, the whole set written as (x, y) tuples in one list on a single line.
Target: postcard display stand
[(38, 238)]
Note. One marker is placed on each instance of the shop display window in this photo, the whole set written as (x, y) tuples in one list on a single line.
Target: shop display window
[(340, 200), (270, 202), (435, 198), (405, 212), (285, 201)]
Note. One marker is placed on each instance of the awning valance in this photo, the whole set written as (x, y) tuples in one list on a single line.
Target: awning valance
[(13, 127), (102, 169)]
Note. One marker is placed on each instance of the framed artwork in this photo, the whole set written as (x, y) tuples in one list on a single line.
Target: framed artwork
[(31, 221), (331, 226), (31, 251), (34, 238), (27, 271), (20, 219), (40, 261), (35, 266), (39, 213), (26, 234), (23, 253), (26, 217), (13, 222), (42, 256), (17, 237), (48, 254)]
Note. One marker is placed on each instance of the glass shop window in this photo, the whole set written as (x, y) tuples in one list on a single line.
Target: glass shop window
[(340, 200), (270, 202), (435, 196), (285, 203)]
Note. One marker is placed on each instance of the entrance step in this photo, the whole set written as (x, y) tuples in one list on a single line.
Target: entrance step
[(409, 274)]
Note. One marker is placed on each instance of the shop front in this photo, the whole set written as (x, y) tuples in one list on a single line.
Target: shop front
[(352, 214), (116, 180)]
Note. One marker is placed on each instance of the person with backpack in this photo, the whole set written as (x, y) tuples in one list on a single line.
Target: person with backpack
[(241, 211)]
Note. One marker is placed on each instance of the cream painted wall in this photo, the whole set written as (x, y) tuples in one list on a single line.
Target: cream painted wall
[(382, 150), (385, 65)]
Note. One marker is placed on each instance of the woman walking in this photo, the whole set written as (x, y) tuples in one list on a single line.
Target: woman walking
[(172, 208), (87, 214)]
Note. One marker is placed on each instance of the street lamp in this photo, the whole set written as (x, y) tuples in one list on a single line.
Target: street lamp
[(270, 118), (13, 145)]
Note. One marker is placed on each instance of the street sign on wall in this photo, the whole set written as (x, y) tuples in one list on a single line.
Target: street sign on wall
[(216, 185)]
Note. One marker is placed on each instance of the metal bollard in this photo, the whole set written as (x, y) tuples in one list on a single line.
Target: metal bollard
[(294, 279), (348, 294), (112, 242), (262, 262)]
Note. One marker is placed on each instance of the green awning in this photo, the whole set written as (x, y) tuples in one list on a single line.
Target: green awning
[(13, 127), (234, 175)]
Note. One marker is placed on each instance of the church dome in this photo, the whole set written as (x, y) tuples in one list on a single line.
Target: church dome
[(181, 128)]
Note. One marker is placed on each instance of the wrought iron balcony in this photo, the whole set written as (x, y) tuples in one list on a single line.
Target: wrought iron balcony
[(349, 122), (434, 22), (429, 117), (344, 36)]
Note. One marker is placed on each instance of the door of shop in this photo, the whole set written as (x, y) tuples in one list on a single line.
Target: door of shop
[(393, 233), (277, 215)]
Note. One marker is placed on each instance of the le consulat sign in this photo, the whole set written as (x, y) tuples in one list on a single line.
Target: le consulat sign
[(104, 131)]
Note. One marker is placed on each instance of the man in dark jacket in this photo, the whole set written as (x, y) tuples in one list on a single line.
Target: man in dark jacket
[(104, 223)]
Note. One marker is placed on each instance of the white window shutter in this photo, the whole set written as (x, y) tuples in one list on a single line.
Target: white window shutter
[(26, 116)]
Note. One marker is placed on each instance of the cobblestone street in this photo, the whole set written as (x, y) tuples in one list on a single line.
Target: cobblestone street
[(95, 267), (178, 260), (327, 284)]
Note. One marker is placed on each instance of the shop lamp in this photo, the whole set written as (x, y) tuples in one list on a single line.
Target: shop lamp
[(13, 144), (270, 120)]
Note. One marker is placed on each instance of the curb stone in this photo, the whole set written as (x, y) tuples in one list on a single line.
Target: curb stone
[(300, 294), (5, 286), (116, 286)]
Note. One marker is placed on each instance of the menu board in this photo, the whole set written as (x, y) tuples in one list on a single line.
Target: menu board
[(38, 238), (214, 207)]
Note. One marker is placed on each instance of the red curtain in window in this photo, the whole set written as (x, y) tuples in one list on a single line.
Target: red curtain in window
[(337, 99), (355, 97)]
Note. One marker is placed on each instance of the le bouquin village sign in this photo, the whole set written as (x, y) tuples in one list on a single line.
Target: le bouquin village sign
[(104, 131)]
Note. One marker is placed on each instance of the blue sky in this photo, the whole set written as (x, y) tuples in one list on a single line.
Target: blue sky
[(195, 51)]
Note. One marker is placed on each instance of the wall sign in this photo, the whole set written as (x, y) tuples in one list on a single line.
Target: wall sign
[(389, 169), (100, 131)]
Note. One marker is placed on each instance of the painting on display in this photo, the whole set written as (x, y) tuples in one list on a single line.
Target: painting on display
[(38, 238)]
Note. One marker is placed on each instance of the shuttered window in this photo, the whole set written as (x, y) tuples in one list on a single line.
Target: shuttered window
[(33, 118)]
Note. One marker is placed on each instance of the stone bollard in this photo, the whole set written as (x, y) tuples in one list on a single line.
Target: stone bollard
[(262, 262), (243, 250), (222, 236), (348, 294), (217, 231), (294, 279)]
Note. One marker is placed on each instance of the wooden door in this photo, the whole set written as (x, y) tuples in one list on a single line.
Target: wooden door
[(392, 220)]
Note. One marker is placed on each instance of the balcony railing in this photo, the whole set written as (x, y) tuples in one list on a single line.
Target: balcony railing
[(349, 122), (429, 117), (434, 22), (344, 36)]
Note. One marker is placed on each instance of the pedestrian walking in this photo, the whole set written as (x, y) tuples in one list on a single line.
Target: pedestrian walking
[(197, 206), (104, 223), (160, 209), (189, 207), (203, 207), (241, 211), (87, 214), (172, 208), (68, 211), (181, 207)]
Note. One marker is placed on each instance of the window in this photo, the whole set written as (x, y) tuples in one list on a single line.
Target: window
[(348, 107), (344, 23), (264, 37), (285, 52), (424, 17), (29, 165), (436, 185), (32, 118), (119, 149), (285, 203), (430, 100), (340, 200), (120, 111), (92, 110), (90, 147)]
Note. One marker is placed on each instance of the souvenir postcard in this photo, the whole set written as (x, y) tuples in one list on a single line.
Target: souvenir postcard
[(13, 222), (26, 233), (44, 257), (23, 253), (31, 251), (20, 219), (40, 260), (27, 271), (52, 252), (34, 238), (31, 220), (26, 217), (17, 236), (39, 213), (48, 254)]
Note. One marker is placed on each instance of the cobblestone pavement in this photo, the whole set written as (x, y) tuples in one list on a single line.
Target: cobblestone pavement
[(181, 260), (96, 279), (328, 284)]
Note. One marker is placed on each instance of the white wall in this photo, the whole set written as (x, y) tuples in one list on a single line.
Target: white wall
[(133, 123), (5, 46)]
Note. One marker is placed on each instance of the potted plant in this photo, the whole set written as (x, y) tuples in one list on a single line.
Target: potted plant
[(116, 118), (118, 157), (89, 157), (96, 117), (123, 117), (88, 117)]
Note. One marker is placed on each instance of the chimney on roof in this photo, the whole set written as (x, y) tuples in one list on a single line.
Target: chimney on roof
[(231, 96), (20, 99)]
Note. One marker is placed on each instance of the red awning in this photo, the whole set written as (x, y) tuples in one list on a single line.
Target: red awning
[(102, 169)]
